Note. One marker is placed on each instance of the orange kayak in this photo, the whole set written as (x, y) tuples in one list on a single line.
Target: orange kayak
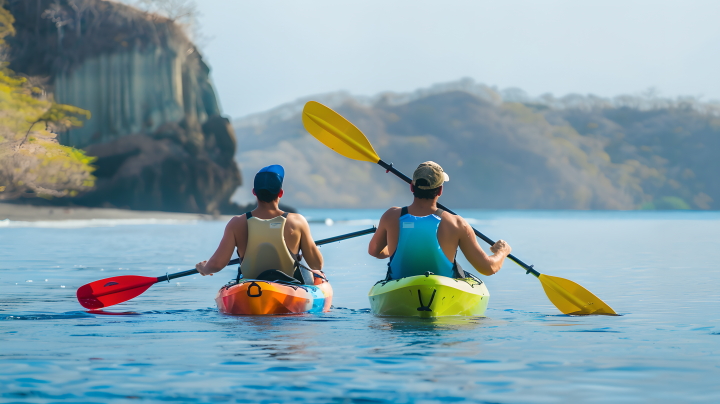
[(256, 297)]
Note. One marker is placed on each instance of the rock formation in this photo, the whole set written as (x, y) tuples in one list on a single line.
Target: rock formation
[(156, 127)]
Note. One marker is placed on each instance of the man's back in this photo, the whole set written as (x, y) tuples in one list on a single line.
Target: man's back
[(449, 231), (438, 230), (267, 221), (294, 226)]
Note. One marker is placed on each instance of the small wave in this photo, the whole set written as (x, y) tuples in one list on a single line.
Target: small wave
[(358, 222), (41, 316), (113, 313), (182, 311), (348, 222), (476, 222), (77, 224)]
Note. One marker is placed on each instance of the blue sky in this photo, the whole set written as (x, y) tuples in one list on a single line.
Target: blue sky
[(265, 53)]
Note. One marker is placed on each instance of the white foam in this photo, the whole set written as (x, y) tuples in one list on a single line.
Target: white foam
[(358, 222), (476, 222), (77, 224), (371, 222)]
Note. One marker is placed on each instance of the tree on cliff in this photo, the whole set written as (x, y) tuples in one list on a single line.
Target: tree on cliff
[(80, 7), (32, 163), (183, 13), (56, 13)]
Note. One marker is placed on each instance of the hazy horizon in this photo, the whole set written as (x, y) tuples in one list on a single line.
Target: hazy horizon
[(264, 54)]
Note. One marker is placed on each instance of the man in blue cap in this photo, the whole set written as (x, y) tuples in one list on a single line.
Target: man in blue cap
[(271, 242)]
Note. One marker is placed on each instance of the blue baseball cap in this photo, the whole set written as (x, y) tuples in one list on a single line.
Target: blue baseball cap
[(270, 178)]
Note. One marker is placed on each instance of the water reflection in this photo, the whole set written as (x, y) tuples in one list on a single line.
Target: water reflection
[(113, 313), (413, 324), (282, 337)]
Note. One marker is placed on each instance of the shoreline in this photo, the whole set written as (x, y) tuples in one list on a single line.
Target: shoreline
[(30, 213)]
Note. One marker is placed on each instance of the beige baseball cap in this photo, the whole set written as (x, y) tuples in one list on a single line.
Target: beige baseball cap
[(431, 172)]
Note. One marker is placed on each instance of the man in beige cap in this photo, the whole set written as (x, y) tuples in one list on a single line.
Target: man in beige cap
[(421, 238)]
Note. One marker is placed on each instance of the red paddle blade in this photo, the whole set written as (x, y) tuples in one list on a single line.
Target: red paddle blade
[(110, 291)]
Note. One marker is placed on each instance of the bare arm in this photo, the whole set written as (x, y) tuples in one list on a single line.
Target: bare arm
[(310, 251), (378, 246), (486, 265), (223, 254)]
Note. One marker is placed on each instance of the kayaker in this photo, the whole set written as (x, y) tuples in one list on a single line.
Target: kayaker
[(270, 241), (421, 238)]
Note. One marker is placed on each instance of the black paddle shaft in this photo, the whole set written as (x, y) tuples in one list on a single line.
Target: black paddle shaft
[(167, 277), (189, 272), (346, 236), (528, 268)]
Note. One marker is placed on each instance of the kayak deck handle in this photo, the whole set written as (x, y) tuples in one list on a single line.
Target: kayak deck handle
[(422, 306), (259, 293)]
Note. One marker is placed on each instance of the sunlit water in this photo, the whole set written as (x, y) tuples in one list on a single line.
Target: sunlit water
[(659, 270)]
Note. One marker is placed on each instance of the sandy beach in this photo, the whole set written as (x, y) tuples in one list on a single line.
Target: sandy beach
[(27, 213)]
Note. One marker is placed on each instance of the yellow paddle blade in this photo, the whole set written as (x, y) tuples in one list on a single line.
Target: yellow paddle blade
[(337, 133), (571, 298)]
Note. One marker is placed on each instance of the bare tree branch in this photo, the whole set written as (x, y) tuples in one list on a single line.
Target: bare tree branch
[(184, 13), (80, 6), (57, 14)]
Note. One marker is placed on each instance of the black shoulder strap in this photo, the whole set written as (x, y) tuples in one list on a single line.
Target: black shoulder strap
[(458, 271), (388, 276), (239, 275), (248, 215), (296, 257), (304, 275), (439, 212)]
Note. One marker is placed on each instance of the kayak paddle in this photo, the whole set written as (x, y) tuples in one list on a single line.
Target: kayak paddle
[(337, 133), (118, 289)]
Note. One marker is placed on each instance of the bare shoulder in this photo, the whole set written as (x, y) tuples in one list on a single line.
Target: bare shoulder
[(454, 221), (392, 213), (296, 219), (237, 222)]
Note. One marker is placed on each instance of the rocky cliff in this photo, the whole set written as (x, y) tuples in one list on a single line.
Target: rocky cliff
[(156, 127)]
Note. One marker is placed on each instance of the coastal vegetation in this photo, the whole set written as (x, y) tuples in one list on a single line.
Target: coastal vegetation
[(32, 162)]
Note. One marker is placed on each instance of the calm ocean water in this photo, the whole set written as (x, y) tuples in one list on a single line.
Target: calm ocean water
[(658, 269)]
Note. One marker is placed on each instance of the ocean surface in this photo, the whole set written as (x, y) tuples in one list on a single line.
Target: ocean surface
[(659, 270)]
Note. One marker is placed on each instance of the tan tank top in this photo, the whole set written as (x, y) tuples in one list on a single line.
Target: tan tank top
[(266, 248)]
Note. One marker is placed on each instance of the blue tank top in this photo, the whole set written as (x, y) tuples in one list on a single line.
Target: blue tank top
[(418, 250)]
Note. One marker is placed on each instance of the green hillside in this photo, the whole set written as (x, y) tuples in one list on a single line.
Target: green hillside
[(572, 153)]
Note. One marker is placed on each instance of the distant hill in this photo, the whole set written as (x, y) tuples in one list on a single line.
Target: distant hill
[(502, 150)]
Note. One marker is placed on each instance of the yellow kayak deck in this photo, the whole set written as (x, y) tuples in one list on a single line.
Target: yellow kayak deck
[(429, 296)]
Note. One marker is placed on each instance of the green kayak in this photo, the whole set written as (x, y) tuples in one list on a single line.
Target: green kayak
[(429, 296)]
